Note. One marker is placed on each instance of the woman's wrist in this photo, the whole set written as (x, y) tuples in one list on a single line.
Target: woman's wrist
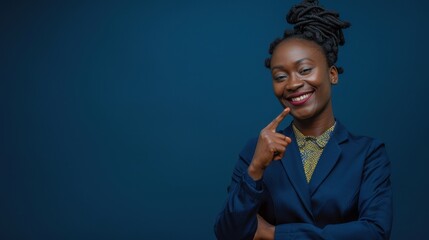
[(255, 172)]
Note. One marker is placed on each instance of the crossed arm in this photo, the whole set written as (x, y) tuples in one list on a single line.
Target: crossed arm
[(239, 218)]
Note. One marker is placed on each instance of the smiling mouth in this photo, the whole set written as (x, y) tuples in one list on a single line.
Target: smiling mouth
[(300, 99)]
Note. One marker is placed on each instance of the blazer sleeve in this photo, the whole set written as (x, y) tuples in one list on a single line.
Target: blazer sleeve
[(237, 219), (374, 206)]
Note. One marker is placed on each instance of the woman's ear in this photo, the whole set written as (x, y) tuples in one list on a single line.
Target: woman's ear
[(333, 75)]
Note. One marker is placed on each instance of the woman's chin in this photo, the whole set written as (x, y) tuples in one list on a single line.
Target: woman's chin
[(301, 114)]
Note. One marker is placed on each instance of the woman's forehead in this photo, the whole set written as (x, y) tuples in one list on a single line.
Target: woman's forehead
[(295, 49)]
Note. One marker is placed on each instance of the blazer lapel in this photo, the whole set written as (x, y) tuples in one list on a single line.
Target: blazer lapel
[(292, 164), (329, 157)]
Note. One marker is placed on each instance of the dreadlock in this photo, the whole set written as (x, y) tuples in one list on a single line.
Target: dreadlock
[(314, 23)]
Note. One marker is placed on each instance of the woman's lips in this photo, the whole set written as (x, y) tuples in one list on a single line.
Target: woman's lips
[(299, 100)]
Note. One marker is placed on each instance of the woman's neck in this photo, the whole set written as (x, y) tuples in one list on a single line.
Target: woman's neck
[(315, 127)]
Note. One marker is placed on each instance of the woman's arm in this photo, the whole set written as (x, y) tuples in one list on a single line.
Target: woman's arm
[(238, 219)]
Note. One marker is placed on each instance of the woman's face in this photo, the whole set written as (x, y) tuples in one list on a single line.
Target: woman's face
[(302, 78)]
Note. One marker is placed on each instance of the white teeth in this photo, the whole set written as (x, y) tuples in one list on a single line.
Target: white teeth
[(300, 98)]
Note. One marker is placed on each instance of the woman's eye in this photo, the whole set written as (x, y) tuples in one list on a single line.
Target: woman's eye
[(280, 77), (305, 71)]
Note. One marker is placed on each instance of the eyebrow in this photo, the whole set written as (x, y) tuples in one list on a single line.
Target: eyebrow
[(296, 63)]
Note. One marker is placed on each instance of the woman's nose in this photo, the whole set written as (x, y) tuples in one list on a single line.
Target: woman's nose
[(294, 83)]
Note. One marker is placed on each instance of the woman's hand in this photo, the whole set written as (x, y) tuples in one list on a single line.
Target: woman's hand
[(264, 231), (271, 146)]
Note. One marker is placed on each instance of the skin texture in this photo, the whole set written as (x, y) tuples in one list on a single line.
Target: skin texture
[(298, 67), (271, 146)]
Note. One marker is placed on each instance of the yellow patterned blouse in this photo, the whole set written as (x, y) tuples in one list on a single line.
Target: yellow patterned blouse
[(311, 149)]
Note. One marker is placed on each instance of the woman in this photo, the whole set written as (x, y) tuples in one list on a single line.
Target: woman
[(314, 179)]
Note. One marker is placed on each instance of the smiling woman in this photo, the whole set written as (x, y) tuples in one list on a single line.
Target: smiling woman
[(314, 179), (302, 80)]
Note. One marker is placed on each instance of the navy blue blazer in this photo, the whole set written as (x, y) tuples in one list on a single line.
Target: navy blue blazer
[(349, 195)]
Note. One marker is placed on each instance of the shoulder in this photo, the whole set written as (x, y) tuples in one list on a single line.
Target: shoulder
[(355, 142), (364, 140)]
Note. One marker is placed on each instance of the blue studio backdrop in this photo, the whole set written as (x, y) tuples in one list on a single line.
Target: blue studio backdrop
[(123, 119)]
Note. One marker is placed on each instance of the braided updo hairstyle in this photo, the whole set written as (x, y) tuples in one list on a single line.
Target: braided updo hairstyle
[(313, 22)]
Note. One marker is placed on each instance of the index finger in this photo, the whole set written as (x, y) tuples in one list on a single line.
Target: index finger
[(275, 123)]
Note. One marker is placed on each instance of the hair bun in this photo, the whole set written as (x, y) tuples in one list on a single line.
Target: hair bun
[(314, 23), (308, 16)]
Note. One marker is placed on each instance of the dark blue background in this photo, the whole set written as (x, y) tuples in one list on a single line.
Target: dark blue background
[(123, 120)]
